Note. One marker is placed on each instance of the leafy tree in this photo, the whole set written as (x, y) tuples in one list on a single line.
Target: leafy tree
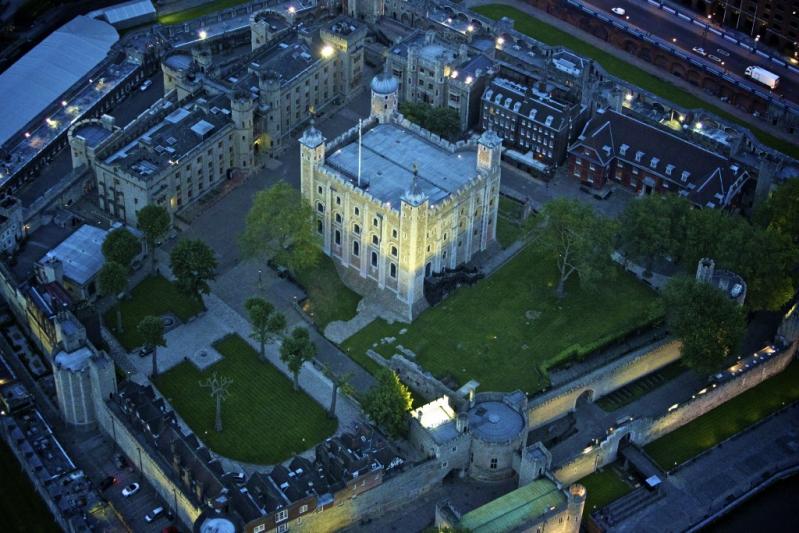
[(121, 247), (654, 226), (296, 349), (194, 265), (388, 403), (707, 321), (780, 212), (151, 328), (578, 240), (280, 225), (443, 121), (113, 280), (154, 223), (267, 323), (704, 232)]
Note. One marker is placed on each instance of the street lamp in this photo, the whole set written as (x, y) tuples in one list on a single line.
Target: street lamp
[(757, 38)]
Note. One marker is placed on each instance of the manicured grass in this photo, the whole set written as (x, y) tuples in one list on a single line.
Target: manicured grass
[(264, 419), (328, 298), (21, 508), (483, 331), (631, 392), (154, 296), (508, 220), (604, 486), (197, 12), (553, 36), (727, 419)]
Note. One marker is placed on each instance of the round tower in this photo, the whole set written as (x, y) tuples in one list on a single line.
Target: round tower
[(385, 96), (576, 502), (242, 111)]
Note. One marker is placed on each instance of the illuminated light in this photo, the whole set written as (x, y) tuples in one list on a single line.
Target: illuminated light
[(673, 407), (469, 80), (628, 97), (449, 21), (681, 118), (292, 10), (587, 449), (454, 74), (698, 125), (203, 34), (27, 135), (674, 39), (470, 28), (500, 41), (702, 391), (327, 51), (63, 103)]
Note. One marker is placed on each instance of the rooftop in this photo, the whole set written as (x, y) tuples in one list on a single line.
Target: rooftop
[(389, 153), (514, 509), (285, 60), (92, 132), (531, 104), (495, 421), (172, 138), (74, 361), (438, 418), (80, 254)]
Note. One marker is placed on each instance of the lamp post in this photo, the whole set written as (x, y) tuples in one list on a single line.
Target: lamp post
[(704, 32)]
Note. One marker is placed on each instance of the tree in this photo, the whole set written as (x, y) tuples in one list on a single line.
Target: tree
[(654, 227), (707, 321), (388, 403), (280, 226), (113, 280), (151, 328), (296, 349), (708, 234), (780, 212), (194, 265), (267, 323), (154, 223), (579, 240), (121, 247), (219, 392)]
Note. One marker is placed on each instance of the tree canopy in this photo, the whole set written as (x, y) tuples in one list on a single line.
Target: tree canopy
[(280, 226), (151, 328), (113, 280), (193, 263), (296, 349), (654, 226), (154, 223), (388, 403), (707, 321), (780, 212), (267, 323), (578, 240), (121, 246)]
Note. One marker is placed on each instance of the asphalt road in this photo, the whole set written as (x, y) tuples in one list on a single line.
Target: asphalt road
[(667, 26)]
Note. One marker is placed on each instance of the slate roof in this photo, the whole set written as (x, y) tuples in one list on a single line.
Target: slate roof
[(538, 108)]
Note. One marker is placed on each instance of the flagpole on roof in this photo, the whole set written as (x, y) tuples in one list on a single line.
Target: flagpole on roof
[(360, 122)]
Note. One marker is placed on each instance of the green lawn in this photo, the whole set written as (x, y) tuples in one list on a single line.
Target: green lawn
[(508, 220), (483, 331), (21, 508), (631, 392), (552, 36), (328, 298), (154, 296), (265, 420), (726, 420), (604, 486), (197, 12)]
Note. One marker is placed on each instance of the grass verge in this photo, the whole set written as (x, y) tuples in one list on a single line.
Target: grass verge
[(507, 329), (197, 12), (604, 486), (328, 298), (617, 67), (726, 420), (632, 391), (508, 221), (154, 296), (265, 420)]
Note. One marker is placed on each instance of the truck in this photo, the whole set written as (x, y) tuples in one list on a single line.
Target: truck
[(759, 74)]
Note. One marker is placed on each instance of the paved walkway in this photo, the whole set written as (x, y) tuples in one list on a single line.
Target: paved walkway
[(633, 60)]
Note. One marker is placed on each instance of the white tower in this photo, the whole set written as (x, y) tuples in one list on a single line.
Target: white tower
[(385, 96)]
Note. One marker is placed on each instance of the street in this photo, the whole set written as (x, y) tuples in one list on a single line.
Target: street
[(668, 27)]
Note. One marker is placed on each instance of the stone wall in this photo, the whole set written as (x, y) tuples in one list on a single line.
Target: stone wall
[(421, 381), (562, 400)]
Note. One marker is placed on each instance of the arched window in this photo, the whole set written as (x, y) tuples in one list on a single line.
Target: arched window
[(393, 270), (356, 248), (374, 259), (338, 237), (319, 227)]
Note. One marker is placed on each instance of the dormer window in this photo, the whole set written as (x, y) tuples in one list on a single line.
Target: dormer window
[(638, 156), (623, 149), (654, 162), (669, 169), (684, 176)]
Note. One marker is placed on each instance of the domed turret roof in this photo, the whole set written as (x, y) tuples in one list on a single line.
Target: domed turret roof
[(385, 83)]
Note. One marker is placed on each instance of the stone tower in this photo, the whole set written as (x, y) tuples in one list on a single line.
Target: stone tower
[(489, 155), (413, 220), (385, 96), (312, 155), (242, 108), (576, 504)]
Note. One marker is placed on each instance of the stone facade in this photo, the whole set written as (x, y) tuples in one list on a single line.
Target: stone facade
[(396, 217)]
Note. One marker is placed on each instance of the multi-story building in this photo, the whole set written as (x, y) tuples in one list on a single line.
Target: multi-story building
[(537, 125), (12, 225), (395, 204), (777, 23), (436, 72), (648, 159), (170, 155)]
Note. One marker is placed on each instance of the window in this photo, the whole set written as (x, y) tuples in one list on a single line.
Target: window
[(374, 259), (493, 464), (259, 528), (282, 528), (394, 251), (338, 237), (319, 226), (303, 509), (356, 248), (319, 189), (375, 240), (374, 221), (356, 229), (393, 270), (338, 200), (394, 233), (284, 514), (320, 207), (338, 218), (356, 211)]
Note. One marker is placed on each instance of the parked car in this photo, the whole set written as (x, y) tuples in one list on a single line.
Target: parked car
[(131, 489), (146, 85), (722, 52), (106, 483), (618, 11), (152, 515), (715, 59), (699, 50)]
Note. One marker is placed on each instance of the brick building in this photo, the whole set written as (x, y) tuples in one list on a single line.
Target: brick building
[(614, 147)]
